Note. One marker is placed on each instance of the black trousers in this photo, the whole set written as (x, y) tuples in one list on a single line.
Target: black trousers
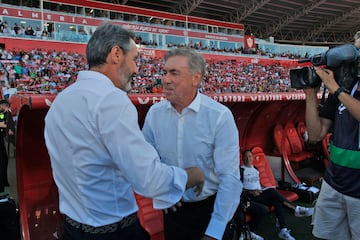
[(190, 221), (133, 232), (3, 165), (9, 220), (257, 211), (271, 197)]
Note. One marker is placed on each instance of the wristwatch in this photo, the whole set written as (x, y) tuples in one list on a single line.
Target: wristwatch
[(340, 90)]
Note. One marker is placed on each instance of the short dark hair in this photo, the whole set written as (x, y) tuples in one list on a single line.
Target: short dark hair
[(5, 102), (245, 151), (104, 39)]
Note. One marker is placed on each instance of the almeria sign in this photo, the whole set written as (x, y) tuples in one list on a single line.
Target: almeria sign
[(89, 21)]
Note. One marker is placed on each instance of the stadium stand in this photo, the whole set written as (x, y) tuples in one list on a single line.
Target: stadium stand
[(45, 71)]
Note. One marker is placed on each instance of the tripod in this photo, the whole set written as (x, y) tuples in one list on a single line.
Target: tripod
[(245, 230), (237, 228)]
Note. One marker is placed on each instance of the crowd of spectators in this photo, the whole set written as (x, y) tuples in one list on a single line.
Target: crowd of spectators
[(240, 77), (254, 51), (20, 30), (145, 42), (41, 70), (51, 71)]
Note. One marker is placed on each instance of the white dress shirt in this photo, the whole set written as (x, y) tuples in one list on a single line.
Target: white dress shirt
[(204, 135), (99, 155)]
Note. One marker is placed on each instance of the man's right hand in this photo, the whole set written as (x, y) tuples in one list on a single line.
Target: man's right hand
[(195, 179)]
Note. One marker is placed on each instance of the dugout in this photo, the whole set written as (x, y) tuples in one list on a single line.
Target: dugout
[(255, 115)]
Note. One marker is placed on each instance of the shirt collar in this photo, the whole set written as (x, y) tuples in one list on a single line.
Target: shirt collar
[(88, 74), (194, 105)]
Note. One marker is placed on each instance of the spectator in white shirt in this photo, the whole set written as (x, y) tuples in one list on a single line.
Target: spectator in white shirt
[(268, 196)]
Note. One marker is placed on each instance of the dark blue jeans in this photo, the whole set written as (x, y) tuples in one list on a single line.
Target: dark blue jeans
[(132, 232)]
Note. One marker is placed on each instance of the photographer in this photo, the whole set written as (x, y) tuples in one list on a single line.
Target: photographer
[(337, 208)]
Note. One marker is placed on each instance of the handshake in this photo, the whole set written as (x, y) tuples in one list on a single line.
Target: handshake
[(195, 181)]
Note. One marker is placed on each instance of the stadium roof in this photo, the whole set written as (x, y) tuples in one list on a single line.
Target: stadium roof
[(288, 21)]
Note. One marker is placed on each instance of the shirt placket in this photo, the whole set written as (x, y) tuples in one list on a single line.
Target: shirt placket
[(179, 141)]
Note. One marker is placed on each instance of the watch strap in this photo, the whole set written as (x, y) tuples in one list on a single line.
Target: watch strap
[(340, 90)]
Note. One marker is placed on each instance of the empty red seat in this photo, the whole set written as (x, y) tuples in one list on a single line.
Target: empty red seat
[(278, 134), (302, 131), (292, 149), (294, 145), (151, 219)]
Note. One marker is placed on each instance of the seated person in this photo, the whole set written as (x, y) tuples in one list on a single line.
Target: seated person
[(268, 196)]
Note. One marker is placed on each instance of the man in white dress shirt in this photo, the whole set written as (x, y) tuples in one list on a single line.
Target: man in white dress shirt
[(190, 129), (98, 154)]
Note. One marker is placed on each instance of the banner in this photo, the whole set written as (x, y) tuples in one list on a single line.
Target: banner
[(249, 42)]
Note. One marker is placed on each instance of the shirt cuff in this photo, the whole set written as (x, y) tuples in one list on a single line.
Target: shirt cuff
[(170, 198), (216, 228)]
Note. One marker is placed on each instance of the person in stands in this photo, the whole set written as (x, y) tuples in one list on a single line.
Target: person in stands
[(191, 129), (268, 196), (338, 206), (98, 153)]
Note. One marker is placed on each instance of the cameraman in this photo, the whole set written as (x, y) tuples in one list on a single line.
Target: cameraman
[(337, 209)]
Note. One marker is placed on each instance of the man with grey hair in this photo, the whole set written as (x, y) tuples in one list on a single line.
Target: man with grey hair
[(98, 154), (190, 129)]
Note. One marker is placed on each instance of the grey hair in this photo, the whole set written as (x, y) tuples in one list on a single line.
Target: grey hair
[(104, 39), (196, 62)]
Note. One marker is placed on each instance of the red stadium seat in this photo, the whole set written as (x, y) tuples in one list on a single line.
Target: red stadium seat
[(293, 153), (150, 218), (301, 129), (294, 145), (277, 137)]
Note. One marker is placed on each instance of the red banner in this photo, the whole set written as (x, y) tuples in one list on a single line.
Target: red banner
[(48, 17), (89, 21), (217, 37), (249, 42), (149, 99), (149, 12)]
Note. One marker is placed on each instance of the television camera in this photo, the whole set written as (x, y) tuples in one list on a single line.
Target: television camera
[(342, 60)]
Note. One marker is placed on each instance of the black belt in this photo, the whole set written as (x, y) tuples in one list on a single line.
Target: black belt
[(110, 228), (210, 199)]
